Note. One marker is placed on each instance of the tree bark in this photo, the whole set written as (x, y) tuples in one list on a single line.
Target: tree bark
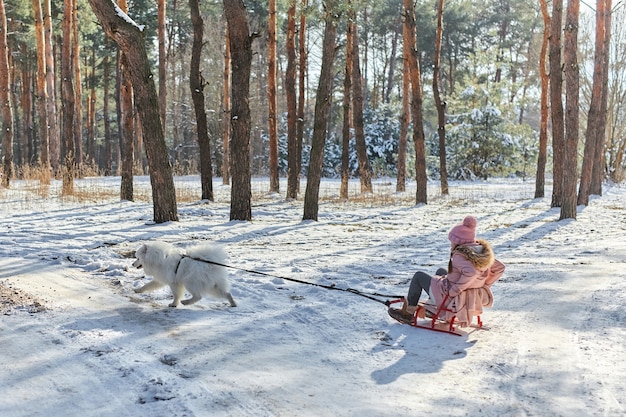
[(42, 94), (556, 102), (416, 107), (78, 90), (540, 177), (26, 137), (127, 141), (347, 116), (68, 97), (322, 108), (140, 161), (91, 114), (594, 119), (161, 14), (504, 9), (365, 170), (392, 66), (5, 102), (441, 106), (54, 140), (241, 53), (129, 38), (226, 112), (290, 92), (599, 170), (405, 117), (196, 86), (570, 165), (302, 78), (126, 110), (108, 148), (272, 101)]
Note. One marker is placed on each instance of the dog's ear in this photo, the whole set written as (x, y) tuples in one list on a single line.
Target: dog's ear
[(141, 250)]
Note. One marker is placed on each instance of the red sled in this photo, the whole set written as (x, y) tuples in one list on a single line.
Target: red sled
[(429, 316)]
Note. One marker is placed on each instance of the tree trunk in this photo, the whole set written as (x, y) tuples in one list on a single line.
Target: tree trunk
[(108, 149), (366, 46), (26, 138), (322, 108), (5, 102), (271, 96), (129, 38), (556, 102), (347, 116), (302, 51), (42, 94), (15, 94), (226, 112), (126, 110), (139, 162), (91, 114), (196, 85), (594, 118), (441, 106), (13, 47), (127, 142), (290, 92), (405, 117), (570, 165), (365, 170), (54, 142), (416, 107), (540, 178), (241, 53), (68, 97), (178, 132), (392, 66), (78, 90), (263, 106), (598, 172), (161, 13), (502, 32)]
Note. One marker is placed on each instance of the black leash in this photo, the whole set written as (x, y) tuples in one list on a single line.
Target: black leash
[(369, 296)]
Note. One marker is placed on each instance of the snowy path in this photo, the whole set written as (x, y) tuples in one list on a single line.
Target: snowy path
[(99, 350)]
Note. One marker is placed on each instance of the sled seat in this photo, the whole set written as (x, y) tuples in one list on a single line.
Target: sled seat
[(429, 310)]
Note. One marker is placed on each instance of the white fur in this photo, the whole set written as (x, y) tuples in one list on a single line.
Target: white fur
[(171, 266)]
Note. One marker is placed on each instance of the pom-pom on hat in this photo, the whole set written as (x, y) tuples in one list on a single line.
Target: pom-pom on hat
[(465, 232)]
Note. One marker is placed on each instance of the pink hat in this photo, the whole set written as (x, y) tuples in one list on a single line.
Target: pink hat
[(464, 232)]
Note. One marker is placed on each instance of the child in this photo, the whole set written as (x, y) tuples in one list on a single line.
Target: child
[(472, 266)]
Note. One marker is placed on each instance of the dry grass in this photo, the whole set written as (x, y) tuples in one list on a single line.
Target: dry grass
[(35, 194), (32, 173), (34, 184)]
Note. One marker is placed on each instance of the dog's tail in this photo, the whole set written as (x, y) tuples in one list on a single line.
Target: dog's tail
[(206, 252)]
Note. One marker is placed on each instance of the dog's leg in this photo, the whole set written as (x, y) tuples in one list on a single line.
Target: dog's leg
[(177, 291), (231, 300), (150, 286), (194, 299)]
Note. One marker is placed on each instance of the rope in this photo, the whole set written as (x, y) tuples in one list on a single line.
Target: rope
[(369, 296)]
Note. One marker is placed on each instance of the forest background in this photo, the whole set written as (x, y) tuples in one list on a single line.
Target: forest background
[(487, 75)]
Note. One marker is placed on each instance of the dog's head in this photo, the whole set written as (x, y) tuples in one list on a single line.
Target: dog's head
[(140, 254)]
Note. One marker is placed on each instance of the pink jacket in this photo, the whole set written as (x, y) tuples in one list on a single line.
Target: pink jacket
[(472, 267)]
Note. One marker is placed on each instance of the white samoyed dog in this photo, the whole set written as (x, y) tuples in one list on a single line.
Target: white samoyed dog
[(169, 265)]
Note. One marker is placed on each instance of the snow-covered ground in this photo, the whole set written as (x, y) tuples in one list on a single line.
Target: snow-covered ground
[(75, 340)]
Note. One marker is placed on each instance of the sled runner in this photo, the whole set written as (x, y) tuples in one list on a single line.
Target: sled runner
[(429, 316)]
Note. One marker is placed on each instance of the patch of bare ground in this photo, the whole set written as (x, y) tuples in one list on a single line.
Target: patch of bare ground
[(13, 299)]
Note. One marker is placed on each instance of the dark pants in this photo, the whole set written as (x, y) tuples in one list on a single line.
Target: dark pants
[(420, 281)]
